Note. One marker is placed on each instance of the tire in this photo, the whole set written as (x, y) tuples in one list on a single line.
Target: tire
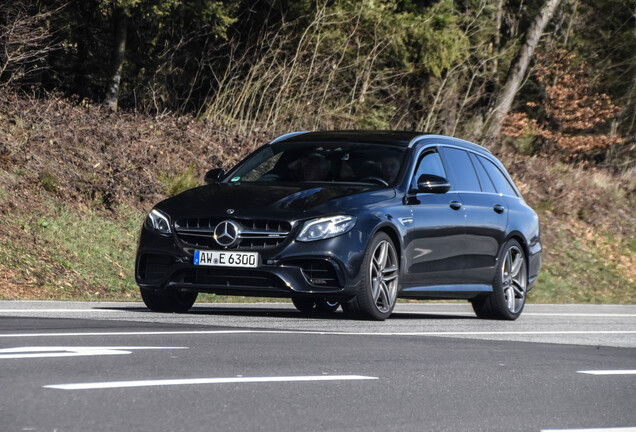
[(170, 301), (312, 306), (509, 288), (377, 295)]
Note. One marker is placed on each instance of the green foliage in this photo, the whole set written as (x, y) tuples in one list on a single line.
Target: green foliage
[(544, 208), (376, 116), (580, 273), (403, 64), (174, 184), (440, 41), (78, 255), (426, 38), (101, 250), (48, 181), (348, 59)]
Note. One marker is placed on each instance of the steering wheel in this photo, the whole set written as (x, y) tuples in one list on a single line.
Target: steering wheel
[(375, 179)]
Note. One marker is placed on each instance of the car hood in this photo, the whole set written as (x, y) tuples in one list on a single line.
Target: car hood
[(272, 201)]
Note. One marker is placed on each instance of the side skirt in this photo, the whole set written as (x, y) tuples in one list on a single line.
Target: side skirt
[(463, 291)]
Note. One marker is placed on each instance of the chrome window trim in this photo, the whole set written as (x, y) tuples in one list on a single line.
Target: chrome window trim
[(476, 152)]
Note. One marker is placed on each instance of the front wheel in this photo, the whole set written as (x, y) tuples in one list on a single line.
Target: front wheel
[(378, 293), (509, 288), (170, 301)]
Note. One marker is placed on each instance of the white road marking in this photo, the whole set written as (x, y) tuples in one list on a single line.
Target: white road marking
[(304, 332), (57, 310), (469, 313), (137, 333), (172, 382), (60, 351), (618, 429), (397, 311), (587, 315), (608, 372)]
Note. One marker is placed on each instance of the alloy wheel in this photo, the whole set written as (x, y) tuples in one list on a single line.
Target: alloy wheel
[(514, 279), (384, 276)]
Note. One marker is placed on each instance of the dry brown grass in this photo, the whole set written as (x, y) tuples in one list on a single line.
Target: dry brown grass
[(88, 155), (57, 154)]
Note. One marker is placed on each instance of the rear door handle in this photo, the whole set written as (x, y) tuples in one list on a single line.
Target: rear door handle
[(455, 205), (498, 208)]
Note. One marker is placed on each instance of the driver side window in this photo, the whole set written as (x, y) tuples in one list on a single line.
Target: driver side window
[(430, 163)]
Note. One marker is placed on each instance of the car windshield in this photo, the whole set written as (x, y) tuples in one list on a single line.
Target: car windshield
[(322, 162)]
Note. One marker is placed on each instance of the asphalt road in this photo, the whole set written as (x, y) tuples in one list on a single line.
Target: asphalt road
[(243, 367)]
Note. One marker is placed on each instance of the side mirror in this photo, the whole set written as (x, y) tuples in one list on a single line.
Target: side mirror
[(214, 175), (429, 183)]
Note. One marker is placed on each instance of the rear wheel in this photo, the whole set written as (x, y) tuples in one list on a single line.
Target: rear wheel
[(312, 306), (378, 293), (170, 301), (510, 287)]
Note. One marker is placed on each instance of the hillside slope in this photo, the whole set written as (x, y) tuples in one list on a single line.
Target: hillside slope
[(76, 182)]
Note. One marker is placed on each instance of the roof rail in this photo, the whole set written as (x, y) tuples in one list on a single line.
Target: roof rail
[(419, 137), (285, 136), (467, 143)]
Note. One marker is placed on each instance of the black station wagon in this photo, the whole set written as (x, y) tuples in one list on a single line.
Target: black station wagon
[(349, 218)]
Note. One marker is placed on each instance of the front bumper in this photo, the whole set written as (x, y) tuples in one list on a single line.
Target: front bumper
[(323, 268)]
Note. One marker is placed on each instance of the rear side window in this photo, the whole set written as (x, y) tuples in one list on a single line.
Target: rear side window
[(484, 179), (501, 182), (463, 171)]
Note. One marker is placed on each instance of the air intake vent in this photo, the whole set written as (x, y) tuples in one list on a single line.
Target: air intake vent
[(317, 272), (154, 266)]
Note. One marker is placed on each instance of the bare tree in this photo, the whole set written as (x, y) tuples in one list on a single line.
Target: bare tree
[(518, 71), (25, 41)]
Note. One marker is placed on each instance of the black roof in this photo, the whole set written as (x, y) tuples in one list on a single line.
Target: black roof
[(401, 138), (396, 138)]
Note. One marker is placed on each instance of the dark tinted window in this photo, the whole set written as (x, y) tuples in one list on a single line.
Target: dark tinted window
[(430, 163), (500, 181), (484, 179), (463, 171), (322, 162)]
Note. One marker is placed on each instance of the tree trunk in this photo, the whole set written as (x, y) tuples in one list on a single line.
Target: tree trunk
[(84, 11), (515, 78), (495, 63), (117, 58)]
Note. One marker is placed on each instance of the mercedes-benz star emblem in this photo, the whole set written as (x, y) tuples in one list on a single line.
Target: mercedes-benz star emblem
[(226, 233)]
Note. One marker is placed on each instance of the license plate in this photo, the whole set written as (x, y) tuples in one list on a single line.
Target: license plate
[(226, 259)]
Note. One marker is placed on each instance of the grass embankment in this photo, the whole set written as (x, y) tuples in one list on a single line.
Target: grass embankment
[(67, 253), (76, 182)]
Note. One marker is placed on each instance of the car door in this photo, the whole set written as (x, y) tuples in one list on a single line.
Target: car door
[(436, 232), (486, 215)]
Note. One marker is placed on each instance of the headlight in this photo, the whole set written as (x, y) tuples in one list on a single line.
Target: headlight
[(158, 221), (324, 228)]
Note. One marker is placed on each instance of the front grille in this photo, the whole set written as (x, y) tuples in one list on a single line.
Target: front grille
[(229, 278), (318, 272), (153, 266), (253, 235)]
